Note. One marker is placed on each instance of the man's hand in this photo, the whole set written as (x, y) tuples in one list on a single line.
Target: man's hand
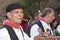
[(41, 32), (37, 37)]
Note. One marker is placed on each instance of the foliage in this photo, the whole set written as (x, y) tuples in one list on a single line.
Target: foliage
[(32, 5)]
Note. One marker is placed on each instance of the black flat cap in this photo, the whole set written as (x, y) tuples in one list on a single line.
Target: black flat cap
[(13, 6)]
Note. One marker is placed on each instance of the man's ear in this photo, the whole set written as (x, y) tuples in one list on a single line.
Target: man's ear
[(9, 15)]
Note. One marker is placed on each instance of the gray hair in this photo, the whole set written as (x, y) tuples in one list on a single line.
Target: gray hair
[(46, 11)]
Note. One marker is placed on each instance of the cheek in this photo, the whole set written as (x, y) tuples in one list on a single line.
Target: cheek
[(55, 23), (14, 17), (22, 15), (51, 17)]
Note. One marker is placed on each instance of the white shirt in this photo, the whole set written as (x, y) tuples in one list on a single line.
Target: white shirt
[(4, 35), (58, 28), (34, 29)]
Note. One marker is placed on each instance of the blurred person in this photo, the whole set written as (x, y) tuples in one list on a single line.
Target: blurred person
[(58, 29), (12, 29), (30, 17), (43, 23), (54, 26), (35, 17), (24, 23), (4, 18)]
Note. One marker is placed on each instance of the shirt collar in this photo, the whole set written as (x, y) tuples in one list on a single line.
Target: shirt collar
[(42, 19)]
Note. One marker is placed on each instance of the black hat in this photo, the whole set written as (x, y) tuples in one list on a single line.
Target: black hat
[(14, 6)]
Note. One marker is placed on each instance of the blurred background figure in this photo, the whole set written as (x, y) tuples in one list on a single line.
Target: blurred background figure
[(44, 23), (58, 29), (1, 20), (24, 24), (54, 26), (34, 17)]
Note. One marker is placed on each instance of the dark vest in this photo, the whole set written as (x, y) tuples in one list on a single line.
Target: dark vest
[(29, 27), (11, 32)]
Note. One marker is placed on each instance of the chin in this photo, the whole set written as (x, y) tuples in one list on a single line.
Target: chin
[(19, 22)]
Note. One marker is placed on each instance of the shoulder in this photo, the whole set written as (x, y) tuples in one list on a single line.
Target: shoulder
[(58, 27), (3, 29), (3, 32), (4, 35), (43, 22), (35, 26)]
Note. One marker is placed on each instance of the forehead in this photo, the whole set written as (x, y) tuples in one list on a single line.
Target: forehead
[(16, 10)]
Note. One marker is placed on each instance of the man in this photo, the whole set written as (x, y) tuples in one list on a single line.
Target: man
[(47, 18), (12, 29)]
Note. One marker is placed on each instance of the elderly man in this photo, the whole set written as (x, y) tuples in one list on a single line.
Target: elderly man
[(12, 29), (47, 18)]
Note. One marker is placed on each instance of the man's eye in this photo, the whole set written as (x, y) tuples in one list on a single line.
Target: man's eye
[(17, 12)]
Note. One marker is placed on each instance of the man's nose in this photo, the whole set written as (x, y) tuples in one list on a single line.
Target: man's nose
[(20, 15)]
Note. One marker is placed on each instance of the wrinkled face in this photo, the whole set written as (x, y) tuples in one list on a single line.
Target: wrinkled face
[(16, 15), (51, 17)]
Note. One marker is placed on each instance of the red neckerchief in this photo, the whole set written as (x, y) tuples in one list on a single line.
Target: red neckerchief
[(10, 24), (43, 20)]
